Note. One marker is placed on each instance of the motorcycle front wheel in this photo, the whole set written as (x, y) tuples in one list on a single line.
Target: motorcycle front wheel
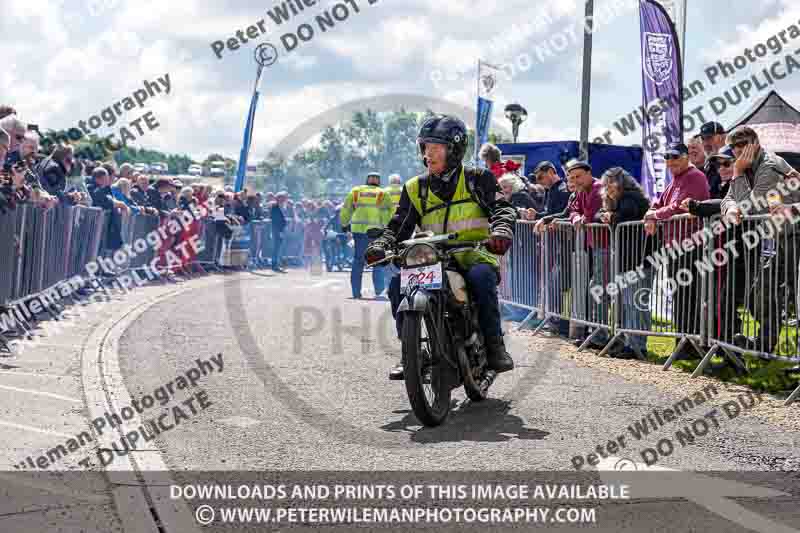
[(430, 400)]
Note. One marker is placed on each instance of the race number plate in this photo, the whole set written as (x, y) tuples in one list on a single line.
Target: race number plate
[(427, 277)]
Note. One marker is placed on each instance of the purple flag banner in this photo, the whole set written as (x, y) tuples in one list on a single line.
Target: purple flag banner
[(662, 79)]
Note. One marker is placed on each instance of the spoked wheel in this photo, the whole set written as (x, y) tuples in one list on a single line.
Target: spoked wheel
[(429, 400), (472, 382)]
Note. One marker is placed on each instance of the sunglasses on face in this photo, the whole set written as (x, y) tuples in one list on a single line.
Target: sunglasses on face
[(670, 157), (725, 164), (741, 144)]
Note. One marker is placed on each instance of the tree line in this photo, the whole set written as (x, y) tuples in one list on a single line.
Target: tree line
[(344, 153)]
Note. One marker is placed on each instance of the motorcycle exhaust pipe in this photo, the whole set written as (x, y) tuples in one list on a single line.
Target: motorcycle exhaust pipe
[(487, 380)]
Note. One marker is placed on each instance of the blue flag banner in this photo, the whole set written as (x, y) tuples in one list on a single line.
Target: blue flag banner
[(484, 119), (662, 79), (248, 138), (487, 85)]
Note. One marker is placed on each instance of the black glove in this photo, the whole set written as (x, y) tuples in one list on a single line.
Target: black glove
[(375, 252)]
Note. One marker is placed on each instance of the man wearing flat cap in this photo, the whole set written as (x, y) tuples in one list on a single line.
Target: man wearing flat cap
[(582, 211)]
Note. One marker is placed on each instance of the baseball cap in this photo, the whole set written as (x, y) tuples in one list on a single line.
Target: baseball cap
[(543, 166), (577, 163), (711, 128), (726, 152), (676, 150)]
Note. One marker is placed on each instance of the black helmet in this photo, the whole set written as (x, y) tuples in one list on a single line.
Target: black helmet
[(443, 129)]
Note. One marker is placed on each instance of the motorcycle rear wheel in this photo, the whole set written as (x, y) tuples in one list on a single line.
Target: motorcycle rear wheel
[(471, 386), (430, 402)]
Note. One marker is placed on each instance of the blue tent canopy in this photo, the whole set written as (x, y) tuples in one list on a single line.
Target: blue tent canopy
[(601, 156)]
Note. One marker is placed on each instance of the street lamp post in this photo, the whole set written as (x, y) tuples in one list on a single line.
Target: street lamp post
[(517, 115), (265, 55)]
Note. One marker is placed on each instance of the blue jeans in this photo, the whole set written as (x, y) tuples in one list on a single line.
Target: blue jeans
[(635, 309), (361, 243), (277, 250), (482, 284)]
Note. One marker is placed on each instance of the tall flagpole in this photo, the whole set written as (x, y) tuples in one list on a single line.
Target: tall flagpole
[(682, 29), (266, 55), (586, 81), (477, 115)]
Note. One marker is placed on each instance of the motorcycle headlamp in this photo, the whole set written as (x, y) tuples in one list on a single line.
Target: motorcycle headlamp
[(421, 255)]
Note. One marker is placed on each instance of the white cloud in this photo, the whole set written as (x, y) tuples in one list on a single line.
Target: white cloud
[(749, 35)]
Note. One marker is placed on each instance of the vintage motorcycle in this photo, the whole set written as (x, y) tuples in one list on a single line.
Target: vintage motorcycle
[(442, 343)]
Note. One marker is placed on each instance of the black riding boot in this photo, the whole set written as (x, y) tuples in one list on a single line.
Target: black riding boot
[(497, 357), (396, 373)]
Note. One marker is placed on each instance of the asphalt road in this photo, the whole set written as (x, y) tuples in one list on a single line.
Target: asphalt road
[(304, 388), (302, 396)]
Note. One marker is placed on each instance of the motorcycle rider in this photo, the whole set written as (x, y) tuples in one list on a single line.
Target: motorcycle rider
[(452, 198)]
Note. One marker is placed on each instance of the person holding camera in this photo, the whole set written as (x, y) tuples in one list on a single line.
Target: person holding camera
[(53, 172)]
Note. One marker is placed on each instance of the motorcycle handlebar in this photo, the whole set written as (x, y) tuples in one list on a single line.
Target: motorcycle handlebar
[(440, 239)]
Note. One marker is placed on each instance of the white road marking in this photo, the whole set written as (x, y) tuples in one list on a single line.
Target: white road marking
[(625, 464), (99, 366), (40, 393), (240, 421), (16, 479), (35, 430), (711, 493), (42, 374), (326, 283)]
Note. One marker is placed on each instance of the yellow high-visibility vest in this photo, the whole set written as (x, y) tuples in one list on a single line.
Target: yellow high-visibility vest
[(394, 193), (365, 208), (466, 217)]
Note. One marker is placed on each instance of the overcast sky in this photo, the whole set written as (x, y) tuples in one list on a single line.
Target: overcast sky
[(66, 60)]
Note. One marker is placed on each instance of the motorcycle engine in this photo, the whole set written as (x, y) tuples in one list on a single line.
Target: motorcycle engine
[(459, 287)]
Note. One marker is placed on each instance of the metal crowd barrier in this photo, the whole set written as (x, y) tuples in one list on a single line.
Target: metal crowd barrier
[(526, 267), (293, 244), (211, 239), (10, 253), (656, 287), (135, 228), (87, 236), (256, 241), (669, 279), (559, 256), (39, 248), (592, 270), (753, 293)]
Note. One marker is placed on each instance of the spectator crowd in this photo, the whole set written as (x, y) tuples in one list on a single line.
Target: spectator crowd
[(716, 173), (713, 174), (61, 178)]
